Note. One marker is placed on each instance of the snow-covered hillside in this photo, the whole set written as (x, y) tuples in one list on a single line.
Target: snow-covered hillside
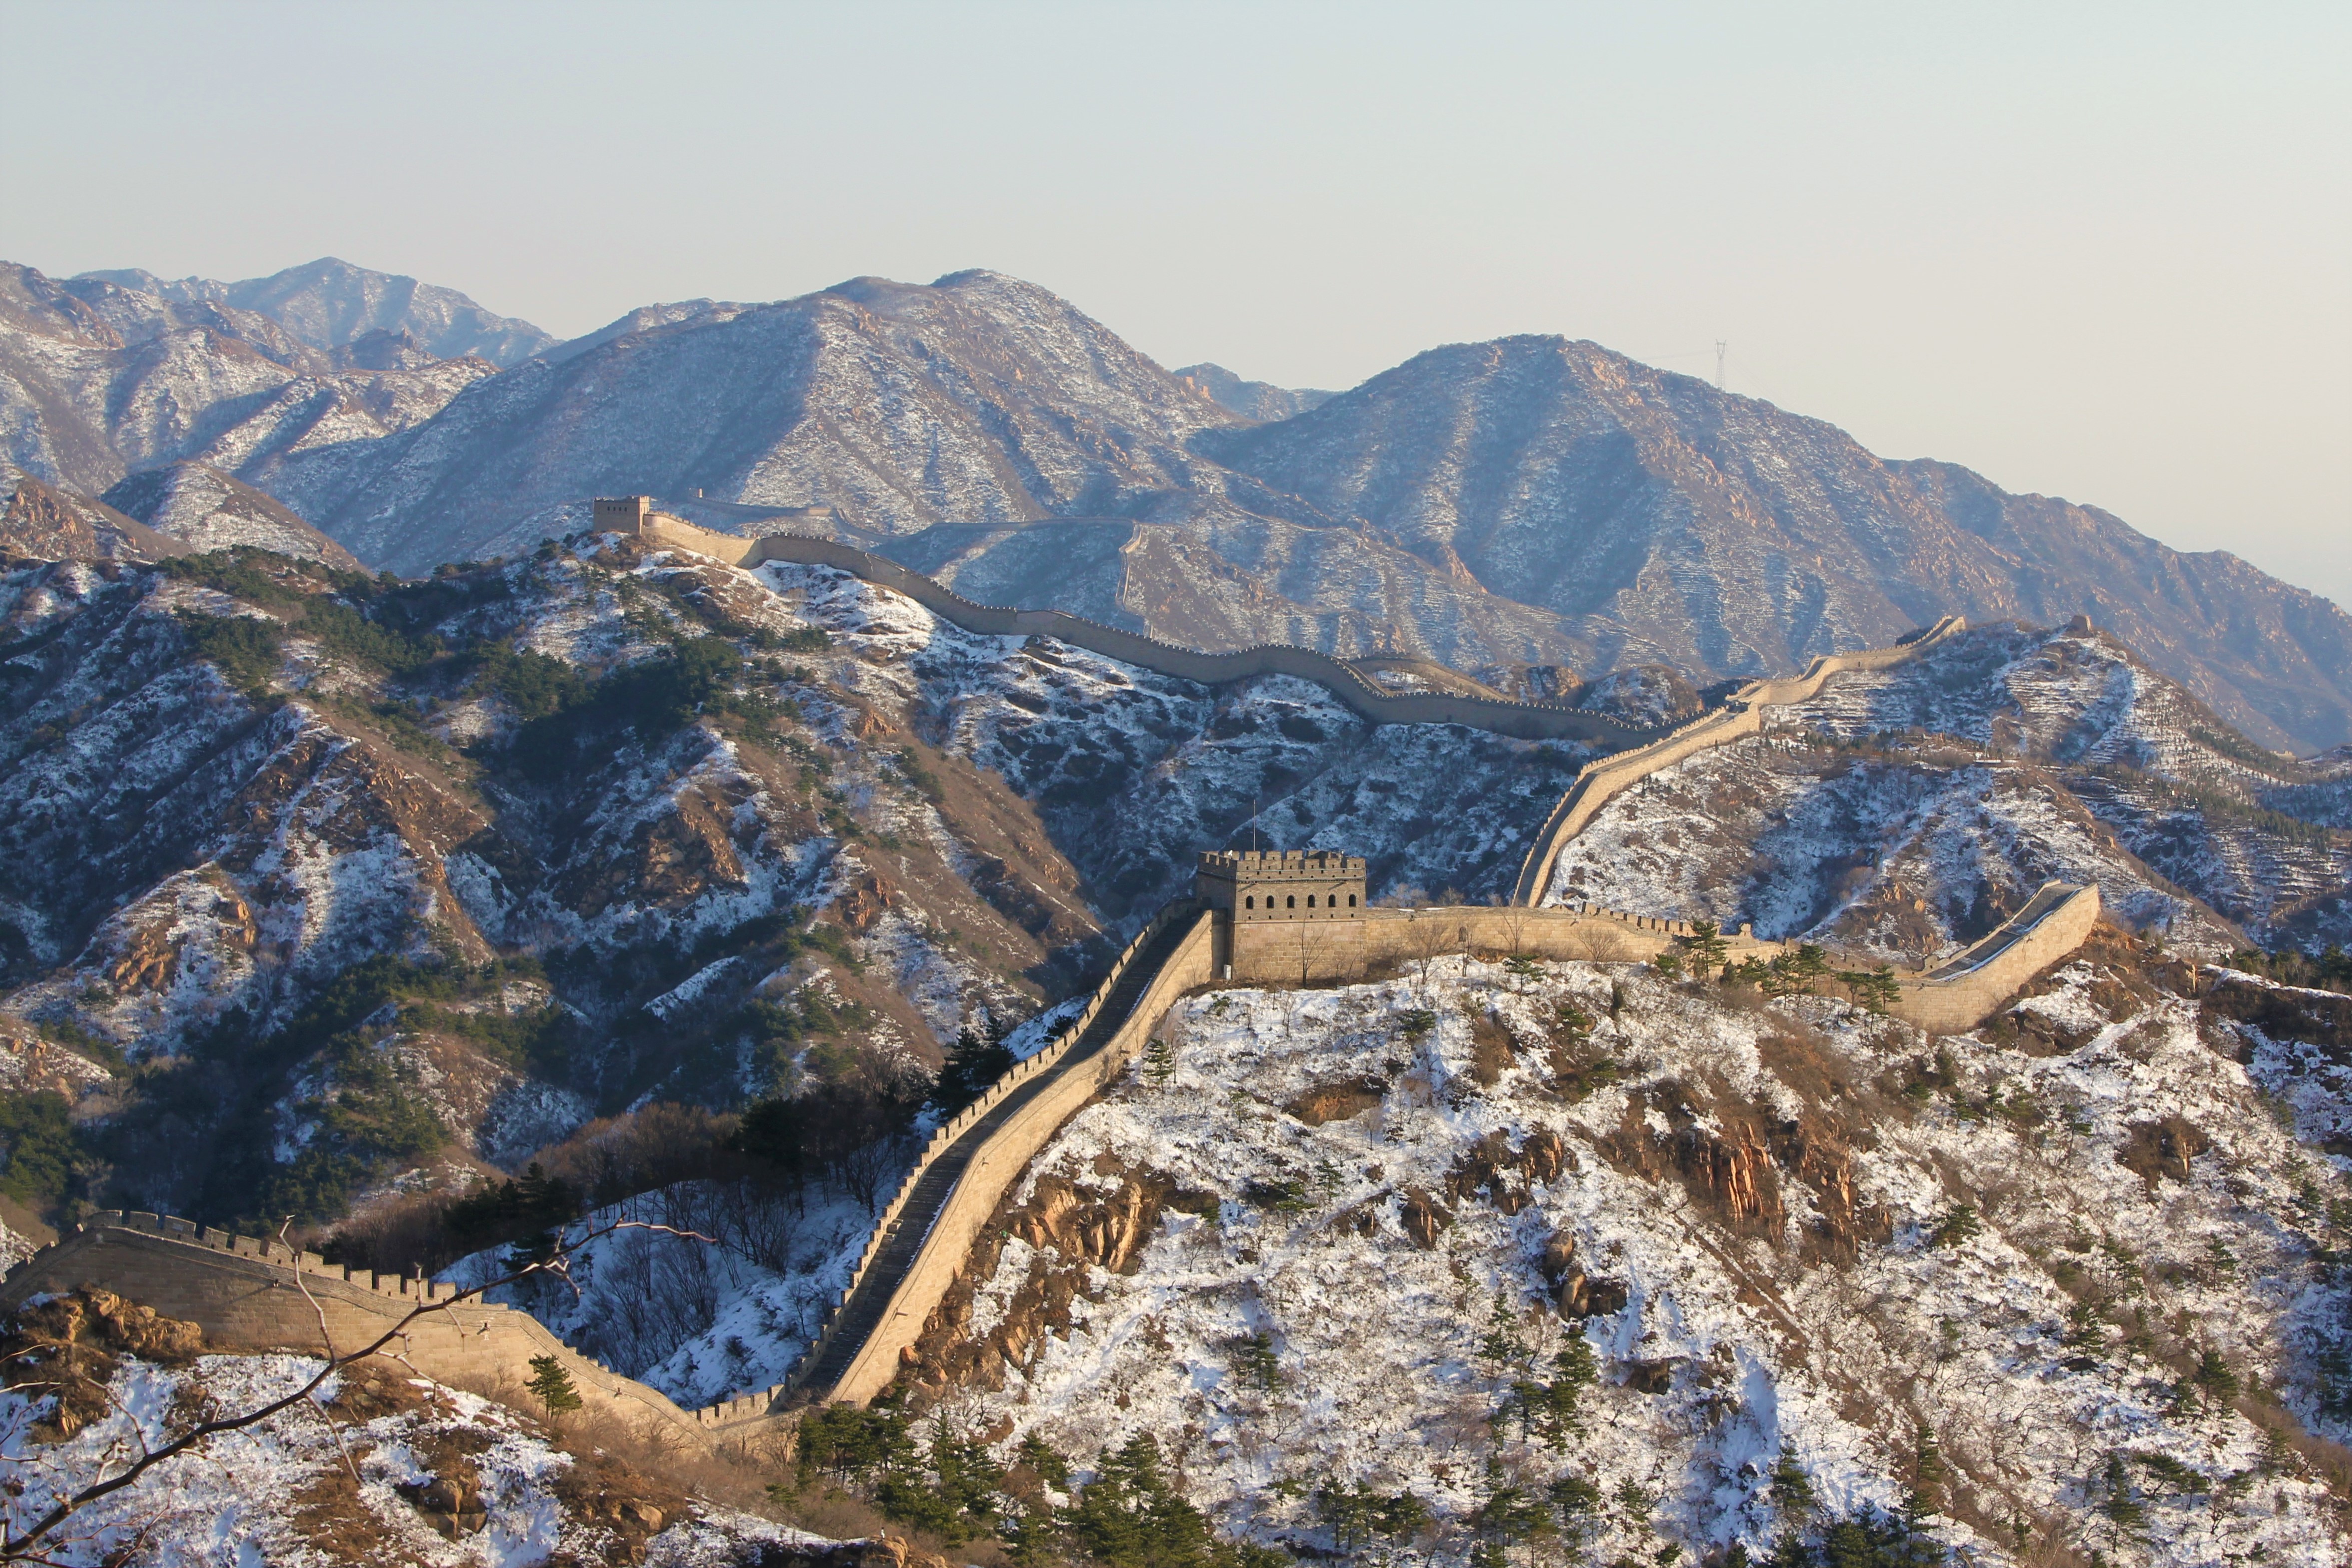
[(377, 1467), (1528, 503), (2065, 1283), (1910, 810)]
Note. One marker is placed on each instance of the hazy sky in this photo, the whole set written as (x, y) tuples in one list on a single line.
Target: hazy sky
[(2102, 252)]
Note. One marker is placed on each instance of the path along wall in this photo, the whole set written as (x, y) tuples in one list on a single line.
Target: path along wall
[(1526, 721), (999, 1162), (1955, 995), (1298, 951), (1962, 992), (1599, 783), (243, 1293)]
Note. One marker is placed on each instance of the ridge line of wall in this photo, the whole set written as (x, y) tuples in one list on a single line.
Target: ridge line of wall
[(1367, 699), (944, 1137), (190, 1272), (1603, 779)]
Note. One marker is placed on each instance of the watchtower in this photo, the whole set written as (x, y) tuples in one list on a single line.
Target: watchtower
[(623, 514), (1282, 884)]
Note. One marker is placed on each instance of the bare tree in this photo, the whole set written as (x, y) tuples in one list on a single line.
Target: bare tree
[(45, 1536), (1427, 940)]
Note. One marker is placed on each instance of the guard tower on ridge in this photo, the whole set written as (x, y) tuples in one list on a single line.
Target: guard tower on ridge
[(1246, 886)]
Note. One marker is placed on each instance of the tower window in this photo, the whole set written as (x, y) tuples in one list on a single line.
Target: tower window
[(1311, 901), (1291, 901), (1250, 902), (1351, 900)]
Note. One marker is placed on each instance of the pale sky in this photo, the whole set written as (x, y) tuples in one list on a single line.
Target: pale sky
[(2097, 251)]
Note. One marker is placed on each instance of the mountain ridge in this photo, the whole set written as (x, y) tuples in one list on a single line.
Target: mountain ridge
[(1533, 512)]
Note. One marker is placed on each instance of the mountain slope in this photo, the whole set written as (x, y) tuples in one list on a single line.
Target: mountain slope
[(1531, 510), (1667, 520), (98, 380), (1252, 399), (1628, 1271), (980, 398), (331, 304), (45, 524), (207, 509)]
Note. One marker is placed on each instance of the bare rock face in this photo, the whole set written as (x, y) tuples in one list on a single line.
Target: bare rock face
[(43, 523), (69, 1347)]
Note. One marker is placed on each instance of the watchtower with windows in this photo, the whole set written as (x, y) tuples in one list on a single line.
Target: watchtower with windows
[(1282, 884)]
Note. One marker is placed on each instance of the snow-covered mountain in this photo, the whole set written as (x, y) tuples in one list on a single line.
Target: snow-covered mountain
[(331, 304), (205, 509), (1901, 808), (97, 380), (340, 897), (1663, 520), (227, 783), (1536, 512)]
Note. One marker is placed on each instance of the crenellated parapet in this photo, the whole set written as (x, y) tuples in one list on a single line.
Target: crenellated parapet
[(253, 1293)]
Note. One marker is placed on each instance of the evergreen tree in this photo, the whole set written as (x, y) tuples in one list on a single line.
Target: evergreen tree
[(974, 1063), (553, 1385), (1925, 1495), (1874, 989), (2214, 1376), (1501, 1344), (1045, 1459), (1705, 947), (1129, 1516), (1254, 1361), (1792, 1489), (1158, 1061)]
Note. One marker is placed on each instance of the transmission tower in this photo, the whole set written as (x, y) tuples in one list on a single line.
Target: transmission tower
[(1719, 346)]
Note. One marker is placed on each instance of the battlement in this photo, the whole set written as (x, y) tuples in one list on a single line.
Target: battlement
[(1282, 884), (238, 1290)]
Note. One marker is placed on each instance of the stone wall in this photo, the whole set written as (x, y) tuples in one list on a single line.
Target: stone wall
[(245, 1295), (1599, 783), (1961, 992), (1001, 1161), (1295, 953), (1526, 721)]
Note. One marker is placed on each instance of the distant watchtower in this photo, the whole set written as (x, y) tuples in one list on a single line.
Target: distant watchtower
[(623, 514), (1282, 885)]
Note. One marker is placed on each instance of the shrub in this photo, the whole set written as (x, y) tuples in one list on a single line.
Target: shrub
[(38, 1150)]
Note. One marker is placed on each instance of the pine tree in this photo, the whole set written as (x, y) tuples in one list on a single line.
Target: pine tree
[(1927, 1476), (1705, 946), (2214, 1376), (1501, 1344), (977, 1060), (1792, 1489), (1158, 1061), (1254, 1361), (553, 1385)]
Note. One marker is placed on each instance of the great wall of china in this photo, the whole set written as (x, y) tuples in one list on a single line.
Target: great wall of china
[(257, 1294)]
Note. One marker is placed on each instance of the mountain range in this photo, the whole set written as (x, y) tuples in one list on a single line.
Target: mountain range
[(1534, 512)]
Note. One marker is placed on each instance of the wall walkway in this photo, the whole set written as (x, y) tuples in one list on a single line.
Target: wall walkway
[(922, 1238), (1527, 721), (1601, 781), (243, 1293)]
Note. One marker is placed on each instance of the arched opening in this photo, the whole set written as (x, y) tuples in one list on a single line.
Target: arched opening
[(1311, 901), (1291, 901), (1351, 900), (1250, 902)]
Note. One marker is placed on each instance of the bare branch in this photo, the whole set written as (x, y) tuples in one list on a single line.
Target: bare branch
[(26, 1547)]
